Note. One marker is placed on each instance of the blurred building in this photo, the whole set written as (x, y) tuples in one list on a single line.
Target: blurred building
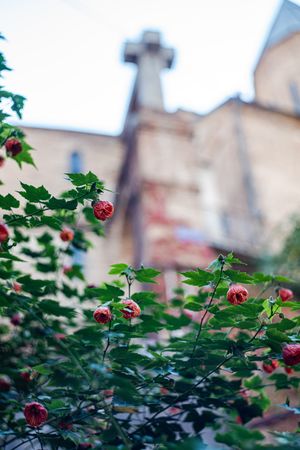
[(189, 185)]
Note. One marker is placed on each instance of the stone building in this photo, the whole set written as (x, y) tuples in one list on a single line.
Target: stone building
[(189, 185)]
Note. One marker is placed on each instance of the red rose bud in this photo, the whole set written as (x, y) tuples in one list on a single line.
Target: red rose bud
[(288, 370), (164, 391), (17, 287), (2, 161), (15, 319), (239, 420), (269, 368), (103, 210), (291, 354), (4, 385), (132, 309), (13, 147), (35, 414), (3, 233), (108, 392), (237, 294), (285, 294), (67, 235), (102, 314)]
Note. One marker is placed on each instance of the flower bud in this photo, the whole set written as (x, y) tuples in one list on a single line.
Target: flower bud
[(13, 147), (237, 294), (35, 414), (103, 210), (285, 294), (269, 368), (291, 354), (4, 234), (102, 314), (67, 235), (131, 310)]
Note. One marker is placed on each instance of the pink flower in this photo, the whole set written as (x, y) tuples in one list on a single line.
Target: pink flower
[(102, 314), (103, 210), (35, 414), (291, 354), (131, 310), (237, 294), (285, 294)]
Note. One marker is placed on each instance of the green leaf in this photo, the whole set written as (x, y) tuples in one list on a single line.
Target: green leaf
[(79, 179), (276, 335), (117, 269), (253, 383), (146, 275), (6, 255), (239, 277), (34, 194), (198, 277), (42, 369), (8, 202), (59, 203), (52, 307)]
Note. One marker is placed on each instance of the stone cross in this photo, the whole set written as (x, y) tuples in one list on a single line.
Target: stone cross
[(151, 58)]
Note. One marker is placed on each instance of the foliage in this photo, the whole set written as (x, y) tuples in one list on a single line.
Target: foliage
[(156, 381)]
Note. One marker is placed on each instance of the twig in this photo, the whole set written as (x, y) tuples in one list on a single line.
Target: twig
[(207, 308)]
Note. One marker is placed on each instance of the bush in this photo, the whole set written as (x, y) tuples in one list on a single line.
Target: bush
[(103, 367)]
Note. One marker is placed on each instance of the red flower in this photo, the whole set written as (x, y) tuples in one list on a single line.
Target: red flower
[(285, 294), (26, 375), (164, 391), (291, 354), (59, 336), (3, 232), (239, 420), (131, 310), (108, 392), (288, 370), (4, 385), (15, 319), (67, 235), (17, 287), (65, 424), (269, 368), (2, 161), (103, 210), (237, 294), (13, 147), (35, 414), (102, 314)]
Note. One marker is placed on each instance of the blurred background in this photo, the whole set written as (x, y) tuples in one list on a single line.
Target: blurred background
[(189, 111)]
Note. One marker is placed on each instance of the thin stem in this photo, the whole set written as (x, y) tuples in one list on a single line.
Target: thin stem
[(108, 342), (184, 394), (39, 439), (37, 212), (207, 308)]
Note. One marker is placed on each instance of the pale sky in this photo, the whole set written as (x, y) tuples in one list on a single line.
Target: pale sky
[(67, 55)]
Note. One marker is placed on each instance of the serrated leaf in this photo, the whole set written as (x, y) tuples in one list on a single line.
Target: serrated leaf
[(34, 194), (8, 202), (146, 275), (117, 269)]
